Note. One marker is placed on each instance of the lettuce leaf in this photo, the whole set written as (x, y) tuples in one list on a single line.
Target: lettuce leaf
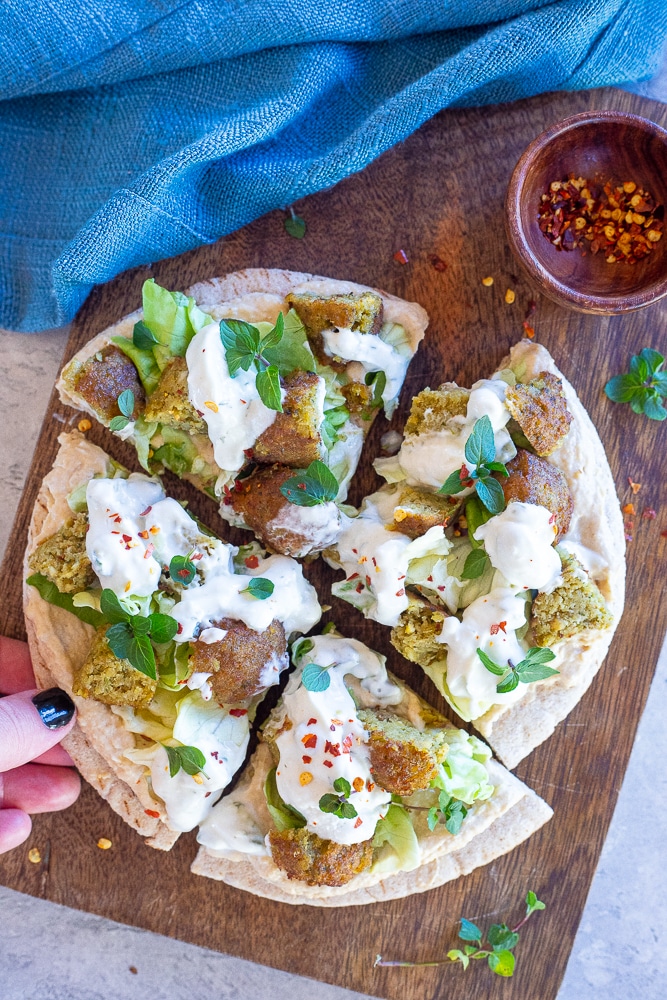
[(178, 452), (49, 592), (293, 353), (463, 774), (396, 831), (142, 435), (144, 361), (172, 318), (396, 336), (284, 816)]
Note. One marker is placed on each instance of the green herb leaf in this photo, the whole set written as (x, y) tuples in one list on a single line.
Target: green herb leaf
[(190, 759), (126, 403), (454, 815), (490, 664), (140, 625), (329, 803), (490, 492), (458, 956), (509, 683), (241, 342), (346, 811), (533, 903), (379, 382), (119, 637), (312, 486), (470, 931), (643, 386), (143, 337), (118, 423), (315, 678), (453, 484), (502, 963), (501, 938), (182, 570), (141, 656), (273, 337), (476, 515), (295, 226), (432, 817), (475, 564), (49, 592), (163, 628), (112, 609), (268, 387), (343, 786), (259, 587), (654, 409), (480, 448), (621, 389)]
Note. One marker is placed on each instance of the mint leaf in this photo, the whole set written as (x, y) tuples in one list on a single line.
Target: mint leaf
[(295, 226), (268, 387), (163, 628), (454, 815), (621, 388), (49, 592), (273, 337), (533, 903), (653, 408), (182, 570), (315, 678), (259, 587), (453, 483), (509, 683), (490, 492), (432, 818), (480, 448), (139, 625), (343, 786), (502, 963), (490, 664), (141, 656), (653, 359), (470, 931), (241, 342), (643, 386), (311, 486), (112, 609), (119, 637), (346, 811), (475, 564), (126, 403), (501, 938), (143, 337), (329, 803), (190, 759), (118, 423), (539, 654)]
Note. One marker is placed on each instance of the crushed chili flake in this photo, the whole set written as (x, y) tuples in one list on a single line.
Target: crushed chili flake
[(306, 759), (332, 748), (133, 970), (663, 534), (252, 562), (34, 856), (401, 257), (635, 487), (305, 778), (629, 508), (437, 262), (357, 823), (238, 712), (104, 843), (528, 329), (179, 629), (84, 425), (510, 296), (312, 722), (309, 741), (347, 744), (370, 785), (401, 592), (649, 514), (328, 763), (621, 222)]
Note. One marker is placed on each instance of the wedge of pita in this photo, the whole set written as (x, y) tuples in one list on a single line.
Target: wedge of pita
[(496, 550), (359, 791), (258, 387), (166, 637)]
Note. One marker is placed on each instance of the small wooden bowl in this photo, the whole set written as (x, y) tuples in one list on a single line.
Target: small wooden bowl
[(601, 146)]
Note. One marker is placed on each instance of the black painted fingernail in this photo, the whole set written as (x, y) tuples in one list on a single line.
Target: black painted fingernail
[(55, 707)]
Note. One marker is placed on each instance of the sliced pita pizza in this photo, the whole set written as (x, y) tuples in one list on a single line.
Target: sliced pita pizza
[(496, 550), (250, 380), (166, 637), (359, 791)]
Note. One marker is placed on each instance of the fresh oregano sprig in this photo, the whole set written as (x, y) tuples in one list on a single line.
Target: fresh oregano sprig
[(449, 810), (312, 486), (316, 678), (182, 570), (532, 668), (499, 956), (245, 346), (480, 455), (339, 804), (643, 387), (130, 636), (126, 406), (260, 588), (190, 759)]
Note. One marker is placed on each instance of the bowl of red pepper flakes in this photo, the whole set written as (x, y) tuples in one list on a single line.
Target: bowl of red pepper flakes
[(585, 212)]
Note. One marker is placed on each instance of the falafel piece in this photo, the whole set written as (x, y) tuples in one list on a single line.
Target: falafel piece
[(575, 606), (358, 396), (294, 436), (432, 409), (403, 758), (244, 663), (415, 636), (534, 480), (361, 312), (170, 404), (540, 409), (279, 525), (418, 510), (308, 858), (62, 558), (102, 378), (112, 681)]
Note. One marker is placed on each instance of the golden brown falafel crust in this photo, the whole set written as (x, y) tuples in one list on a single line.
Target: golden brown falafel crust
[(540, 409), (294, 436), (62, 558), (575, 606), (305, 856), (170, 403), (418, 510), (361, 312), (403, 759), (238, 660), (415, 636), (432, 408), (534, 480), (105, 678), (102, 378), (258, 500), (358, 396)]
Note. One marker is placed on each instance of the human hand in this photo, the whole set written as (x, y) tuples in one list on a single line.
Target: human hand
[(32, 723)]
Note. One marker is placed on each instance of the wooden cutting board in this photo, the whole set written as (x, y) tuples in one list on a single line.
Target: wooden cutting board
[(438, 194)]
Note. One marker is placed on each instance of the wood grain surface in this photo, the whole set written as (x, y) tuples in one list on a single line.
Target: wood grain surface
[(439, 193)]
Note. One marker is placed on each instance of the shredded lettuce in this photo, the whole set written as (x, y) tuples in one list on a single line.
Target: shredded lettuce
[(156, 721), (49, 592), (285, 817), (293, 353), (178, 453), (397, 832), (144, 361), (200, 722), (396, 336), (142, 435), (174, 666), (389, 468), (463, 774), (173, 319)]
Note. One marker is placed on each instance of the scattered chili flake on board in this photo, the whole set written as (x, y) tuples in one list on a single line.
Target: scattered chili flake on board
[(635, 487), (437, 263), (152, 812), (133, 970), (649, 514), (621, 222), (401, 257), (629, 508)]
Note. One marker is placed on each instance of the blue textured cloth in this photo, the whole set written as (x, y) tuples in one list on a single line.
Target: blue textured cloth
[(132, 131)]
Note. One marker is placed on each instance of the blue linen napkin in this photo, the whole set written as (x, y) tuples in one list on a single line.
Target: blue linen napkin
[(132, 130)]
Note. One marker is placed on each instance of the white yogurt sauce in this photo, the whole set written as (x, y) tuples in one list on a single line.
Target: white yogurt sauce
[(489, 624), (318, 526), (231, 829), (372, 353), (519, 543), (234, 413)]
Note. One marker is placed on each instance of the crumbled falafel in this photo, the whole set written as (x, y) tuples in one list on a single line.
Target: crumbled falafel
[(112, 681), (102, 378), (575, 606), (308, 858), (403, 758), (418, 510), (415, 636), (294, 436), (358, 396), (361, 312), (170, 403), (244, 663), (62, 558), (432, 408), (534, 480), (540, 409)]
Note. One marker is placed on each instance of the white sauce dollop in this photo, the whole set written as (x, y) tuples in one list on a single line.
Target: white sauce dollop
[(519, 543), (373, 353), (319, 525), (234, 413)]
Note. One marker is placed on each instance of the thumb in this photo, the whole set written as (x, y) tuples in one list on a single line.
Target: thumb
[(31, 723)]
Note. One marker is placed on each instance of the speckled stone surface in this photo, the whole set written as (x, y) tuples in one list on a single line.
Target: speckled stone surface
[(48, 952)]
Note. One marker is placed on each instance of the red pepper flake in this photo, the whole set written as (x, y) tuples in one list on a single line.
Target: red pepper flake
[(347, 744), (248, 452), (252, 562), (306, 759), (328, 763), (649, 514), (179, 629), (401, 257), (370, 785), (354, 576), (359, 587), (332, 748), (143, 534), (309, 741), (149, 551), (238, 712), (147, 511), (152, 812), (528, 329), (429, 579), (401, 592), (635, 487), (437, 263), (663, 534), (312, 722), (495, 629), (197, 556), (357, 823), (629, 508), (127, 538)]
